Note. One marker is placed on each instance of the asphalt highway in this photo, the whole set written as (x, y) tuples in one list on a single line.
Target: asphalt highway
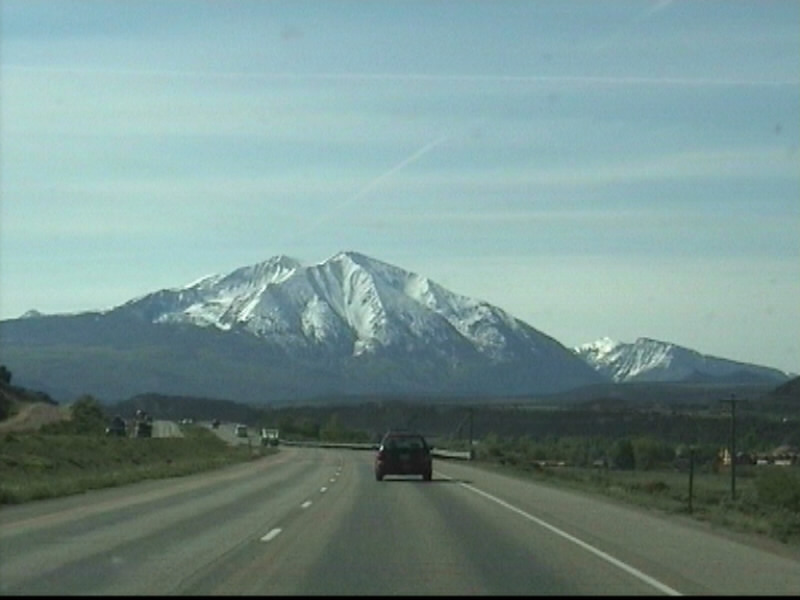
[(315, 521)]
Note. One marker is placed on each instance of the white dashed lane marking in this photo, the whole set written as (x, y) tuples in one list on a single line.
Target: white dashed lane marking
[(271, 535)]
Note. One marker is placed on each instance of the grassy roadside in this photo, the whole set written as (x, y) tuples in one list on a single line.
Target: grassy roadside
[(36, 465), (767, 501)]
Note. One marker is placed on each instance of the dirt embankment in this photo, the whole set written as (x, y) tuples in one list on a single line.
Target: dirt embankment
[(33, 415), (29, 410)]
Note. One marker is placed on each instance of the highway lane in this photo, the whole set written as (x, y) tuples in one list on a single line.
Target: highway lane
[(315, 521), (227, 432), (163, 429)]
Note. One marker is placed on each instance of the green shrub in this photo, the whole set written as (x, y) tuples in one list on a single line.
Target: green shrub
[(88, 415), (623, 455), (655, 487), (785, 526), (779, 487), (651, 454)]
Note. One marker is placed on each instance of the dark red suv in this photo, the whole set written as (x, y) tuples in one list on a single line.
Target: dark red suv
[(403, 453)]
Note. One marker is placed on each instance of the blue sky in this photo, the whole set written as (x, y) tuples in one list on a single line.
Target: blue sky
[(596, 168)]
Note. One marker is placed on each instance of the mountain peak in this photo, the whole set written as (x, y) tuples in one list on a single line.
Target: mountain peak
[(283, 260), (602, 346), (648, 359), (352, 255), (361, 260)]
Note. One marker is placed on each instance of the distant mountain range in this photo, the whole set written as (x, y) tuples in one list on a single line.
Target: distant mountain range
[(352, 325), (648, 360)]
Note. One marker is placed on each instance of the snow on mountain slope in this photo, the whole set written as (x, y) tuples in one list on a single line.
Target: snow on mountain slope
[(652, 360), (349, 299)]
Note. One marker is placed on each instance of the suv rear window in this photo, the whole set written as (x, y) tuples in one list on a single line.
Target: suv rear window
[(405, 442)]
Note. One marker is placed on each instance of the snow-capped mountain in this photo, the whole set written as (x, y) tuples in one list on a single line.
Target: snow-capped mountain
[(279, 330), (652, 360), (349, 301)]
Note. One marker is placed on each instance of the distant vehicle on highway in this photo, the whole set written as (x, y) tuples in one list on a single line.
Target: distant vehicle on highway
[(403, 453), (269, 437), (215, 424), (143, 425), (117, 427), (240, 430)]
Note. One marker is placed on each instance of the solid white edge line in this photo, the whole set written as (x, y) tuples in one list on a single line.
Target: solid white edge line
[(271, 535), (596, 551)]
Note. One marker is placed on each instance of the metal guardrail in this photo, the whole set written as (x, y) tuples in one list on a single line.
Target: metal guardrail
[(436, 452), (453, 454), (346, 445)]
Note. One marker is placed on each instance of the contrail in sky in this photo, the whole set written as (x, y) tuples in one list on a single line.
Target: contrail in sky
[(652, 10), (376, 181), (403, 163)]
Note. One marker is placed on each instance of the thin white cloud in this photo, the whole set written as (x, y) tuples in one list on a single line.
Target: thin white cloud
[(753, 162), (712, 164), (577, 79)]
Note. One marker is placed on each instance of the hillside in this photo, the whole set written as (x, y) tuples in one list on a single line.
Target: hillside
[(25, 410), (785, 398), (789, 390), (175, 408)]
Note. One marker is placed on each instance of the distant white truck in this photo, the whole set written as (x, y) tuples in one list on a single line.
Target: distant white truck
[(269, 437)]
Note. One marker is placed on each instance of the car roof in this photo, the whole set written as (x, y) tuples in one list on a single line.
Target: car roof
[(402, 433)]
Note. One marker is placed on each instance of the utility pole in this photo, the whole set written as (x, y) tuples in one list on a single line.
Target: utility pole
[(470, 434), (691, 477), (733, 446)]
